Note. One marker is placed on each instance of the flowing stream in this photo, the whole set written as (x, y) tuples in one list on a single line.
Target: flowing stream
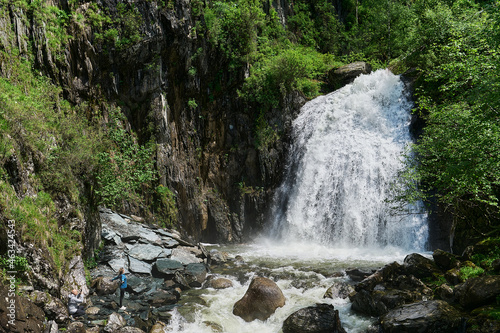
[(330, 214)]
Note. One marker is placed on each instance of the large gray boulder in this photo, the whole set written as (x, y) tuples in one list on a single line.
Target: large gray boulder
[(260, 301), (420, 266), (104, 286), (341, 76), (146, 252), (445, 260), (430, 317), (321, 318), (166, 266), (478, 291), (339, 290)]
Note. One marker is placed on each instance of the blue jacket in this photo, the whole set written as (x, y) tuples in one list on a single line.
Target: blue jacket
[(123, 280)]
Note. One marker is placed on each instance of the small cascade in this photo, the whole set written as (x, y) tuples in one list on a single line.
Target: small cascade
[(346, 153)]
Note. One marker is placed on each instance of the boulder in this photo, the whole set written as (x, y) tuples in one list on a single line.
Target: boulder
[(187, 255), (478, 291), (219, 283), (166, 266), (445, 293), (104, 286), (453, 277), (386, 274), (358, 275), (139, 266), (379, 302), (321, 318), (146, 252), (341, 76), (53, 307), (445, 260), (195, 274), (158, 327), (217, 257), (339, 290), (435, 316), (76, 327), (114, 323), (260, 301), (419, 266)]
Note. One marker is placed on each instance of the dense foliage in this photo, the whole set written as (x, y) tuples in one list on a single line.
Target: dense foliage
[(458, 155)]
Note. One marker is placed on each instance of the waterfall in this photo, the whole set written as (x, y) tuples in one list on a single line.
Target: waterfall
[(346, 152)]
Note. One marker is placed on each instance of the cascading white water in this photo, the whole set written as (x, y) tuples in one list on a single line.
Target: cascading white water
[(345, 156)]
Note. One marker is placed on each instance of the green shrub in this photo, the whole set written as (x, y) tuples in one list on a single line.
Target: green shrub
[(126, 169), (166, 207), (470, 272)]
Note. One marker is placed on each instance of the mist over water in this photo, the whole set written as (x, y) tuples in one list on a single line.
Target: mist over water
[(346, 153)]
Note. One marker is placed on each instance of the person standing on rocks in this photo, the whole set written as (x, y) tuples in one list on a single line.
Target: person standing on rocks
[(75, 306), (123, 285)]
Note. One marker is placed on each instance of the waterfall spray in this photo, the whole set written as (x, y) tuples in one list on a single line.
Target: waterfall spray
[(347, 149)]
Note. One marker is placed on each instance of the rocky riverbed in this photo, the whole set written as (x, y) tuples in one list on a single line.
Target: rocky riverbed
[(421, 293)]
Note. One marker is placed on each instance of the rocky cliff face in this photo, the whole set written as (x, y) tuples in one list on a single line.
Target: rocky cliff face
[(175, 86)]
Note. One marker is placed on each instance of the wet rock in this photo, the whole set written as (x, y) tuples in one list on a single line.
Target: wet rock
[(260, 301), (216, 328), (387, 273), (314, 319), (181, 280), (420, 266), (162, 297), (445, 260), (346, 74), (158, 327), (358, 275), (53, 307), (217, 257), (195, 274), (478, 291), (431, 317), (145, 252), (219, 283), (168, 266), (104, 286), (114, 323), (339, 290), (379, 302)]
